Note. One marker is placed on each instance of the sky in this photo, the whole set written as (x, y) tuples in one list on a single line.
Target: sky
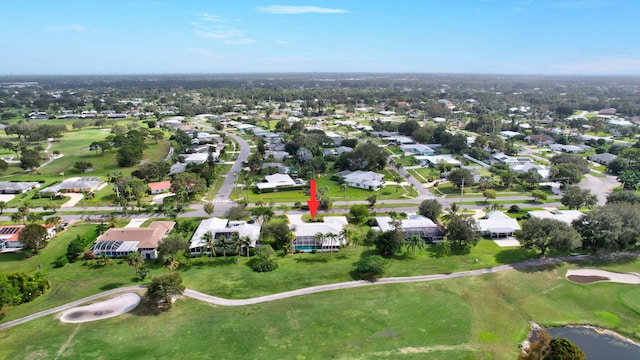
[(90, 37)]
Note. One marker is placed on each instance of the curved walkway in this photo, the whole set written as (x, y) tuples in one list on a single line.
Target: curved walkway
[(321, 288)]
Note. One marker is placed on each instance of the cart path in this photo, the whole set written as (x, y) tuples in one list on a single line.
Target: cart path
[(321, 288)]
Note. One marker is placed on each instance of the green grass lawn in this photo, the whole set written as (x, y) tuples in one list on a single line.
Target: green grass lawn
[(479, 317), (335, 192)]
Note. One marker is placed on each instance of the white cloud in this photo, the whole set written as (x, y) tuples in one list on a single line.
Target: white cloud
[(282, 42), (579, 4), (600, 66), (210, 18), (289, 10), (72, 27), (209, 26)]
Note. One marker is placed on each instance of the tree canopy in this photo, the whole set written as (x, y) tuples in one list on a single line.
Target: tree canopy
[(545, 234)]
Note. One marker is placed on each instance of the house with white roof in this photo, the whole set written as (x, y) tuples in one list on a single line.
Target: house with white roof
[(277, 181), (566, 216), (337, 139), (320, 236), (417, 225), (196, 158), (435, 160), (498, 225), (367, 180), (572, 149), (219, 228), (418, 149)]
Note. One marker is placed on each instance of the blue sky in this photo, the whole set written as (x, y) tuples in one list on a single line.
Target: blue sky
[(224, 36)]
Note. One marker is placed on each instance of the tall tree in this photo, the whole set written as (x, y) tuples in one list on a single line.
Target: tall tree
[(462, 231), (575, 198), (32, 236), (165, 288), (544, 234), (430, 208)]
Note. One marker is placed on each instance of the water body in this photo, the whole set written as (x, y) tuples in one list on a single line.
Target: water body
[(596, 345)]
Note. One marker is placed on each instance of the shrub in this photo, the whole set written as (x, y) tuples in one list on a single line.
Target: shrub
[(89, 255), (371, 267), (259, 264), (514, 209), (62, 261)]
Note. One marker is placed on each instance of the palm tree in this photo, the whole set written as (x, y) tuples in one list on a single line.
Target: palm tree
[(53, 221), (171, 263), (210, 241), (415, 242), (222, 241), (290, 239), (451, 212), (333, 239), (236, 242), (135, 259), (319, 238), (3, 205), (346, 235), (344, 187), (246, 243)]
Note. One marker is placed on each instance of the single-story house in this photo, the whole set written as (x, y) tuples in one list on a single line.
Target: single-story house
[(120, 242), (508, 134), (399, 140), (419, 149), (572, 149), (418, 225), (278, 155), (435, 160), (542, 139), (280, 168), (9, 236), (74, 185), (367, 180), (308, 238), (159, 187), (222, 228), (337, 139), (524, 167), (195, 158), (604, 158), (17, 187), (498, 225), (566, 216), (277, 181)]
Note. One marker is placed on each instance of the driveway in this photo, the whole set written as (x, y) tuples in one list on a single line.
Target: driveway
[(599, 186)]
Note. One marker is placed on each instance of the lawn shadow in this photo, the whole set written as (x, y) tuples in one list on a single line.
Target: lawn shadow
[(610, 260), (111, 286), (311, 260), (510, 256), (147, 307), (539, 267)]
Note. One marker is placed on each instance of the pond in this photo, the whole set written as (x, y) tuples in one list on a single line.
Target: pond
[(596, 344)]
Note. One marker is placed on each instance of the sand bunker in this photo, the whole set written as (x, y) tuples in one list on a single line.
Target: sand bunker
[(102, 310), (586, 276)]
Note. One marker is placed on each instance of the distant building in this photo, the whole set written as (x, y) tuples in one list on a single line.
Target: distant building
[(603, 159), (159, 187), (17, 187)]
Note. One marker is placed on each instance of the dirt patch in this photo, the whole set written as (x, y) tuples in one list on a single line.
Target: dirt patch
[(581, 279)]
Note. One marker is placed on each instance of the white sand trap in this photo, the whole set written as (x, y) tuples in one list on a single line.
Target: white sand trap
[(594, 275), (102, 310)]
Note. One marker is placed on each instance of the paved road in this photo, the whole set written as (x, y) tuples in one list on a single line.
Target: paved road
[(221, 201), (322, 288)]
